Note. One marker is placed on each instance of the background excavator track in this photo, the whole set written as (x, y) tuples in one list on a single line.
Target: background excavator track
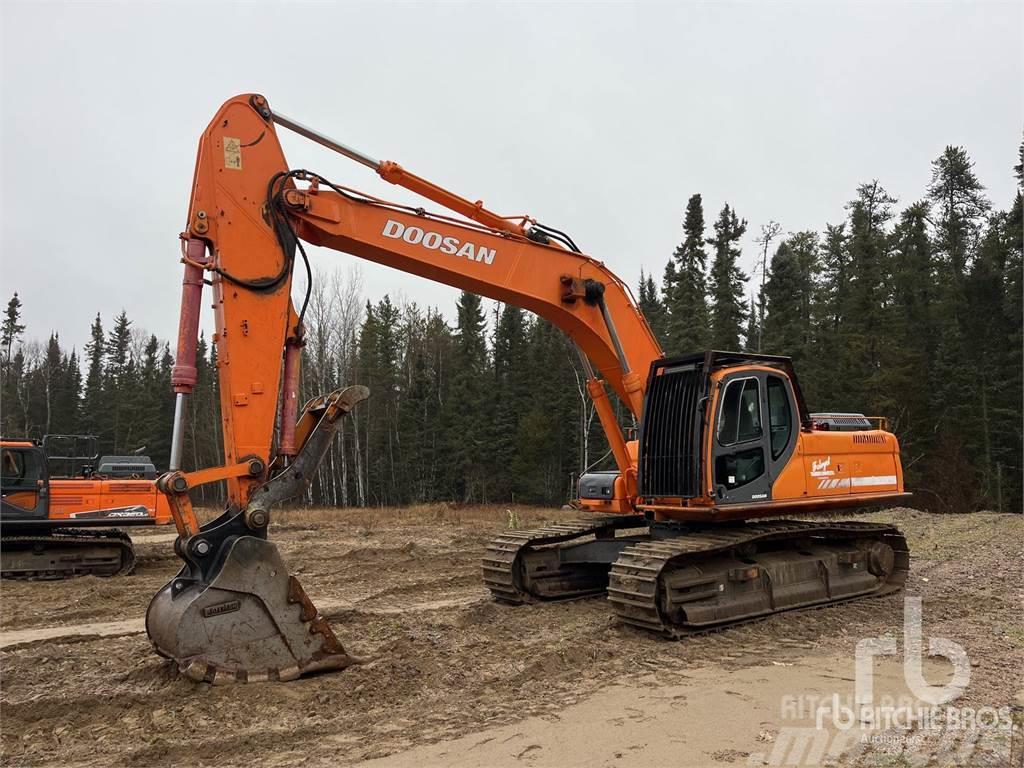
[(67, 552)]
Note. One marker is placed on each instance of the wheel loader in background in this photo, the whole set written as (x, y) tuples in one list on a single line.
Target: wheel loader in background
[(63, 507), (671, 534)]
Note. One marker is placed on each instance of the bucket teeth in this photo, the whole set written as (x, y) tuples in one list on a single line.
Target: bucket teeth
[(252, 623)]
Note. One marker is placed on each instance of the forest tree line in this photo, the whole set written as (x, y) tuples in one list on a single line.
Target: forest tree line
[(911, 312)]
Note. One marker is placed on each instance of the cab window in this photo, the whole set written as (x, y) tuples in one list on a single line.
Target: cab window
[(13, 466), (18, 468), (780, 415), (739, 419)]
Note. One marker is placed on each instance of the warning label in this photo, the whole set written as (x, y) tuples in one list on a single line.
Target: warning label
[(232, 153)]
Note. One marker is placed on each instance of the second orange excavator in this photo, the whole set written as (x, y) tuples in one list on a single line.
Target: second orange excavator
[(673, 535)]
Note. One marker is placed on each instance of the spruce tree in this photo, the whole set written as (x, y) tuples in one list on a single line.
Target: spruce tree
[(790, 294), (959, 209), (652, 307), (94, 417), (685, 287), (118, 383), (12, 327), (70, 407), (53, 374), (727, 282), (908, 355), (863, 334), (752, 337), (961, 205), (379, 370), (783, 327), (510, 395), (468, 404)]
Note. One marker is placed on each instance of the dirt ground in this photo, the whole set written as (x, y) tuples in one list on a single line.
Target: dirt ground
[(456, 679)]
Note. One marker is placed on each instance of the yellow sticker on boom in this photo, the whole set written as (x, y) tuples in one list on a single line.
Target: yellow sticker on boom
[(232, 153)]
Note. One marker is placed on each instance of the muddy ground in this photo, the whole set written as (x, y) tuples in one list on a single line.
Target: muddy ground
[(455, 678)]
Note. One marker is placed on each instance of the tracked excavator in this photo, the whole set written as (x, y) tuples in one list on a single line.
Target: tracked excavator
[(64, 508), (687, 532)]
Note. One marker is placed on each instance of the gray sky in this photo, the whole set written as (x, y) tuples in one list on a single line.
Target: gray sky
[(597, 119)]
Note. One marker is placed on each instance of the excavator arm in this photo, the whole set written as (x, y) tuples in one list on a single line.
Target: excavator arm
[(248, 217)]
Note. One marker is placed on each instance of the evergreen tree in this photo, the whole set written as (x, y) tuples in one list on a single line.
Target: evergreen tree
[(511, 396), (147, 405), (783, 327), (380, 370), (685, 286), (68, 407), (12, 327), (547, 456), (907, 358), (992, 417), (468, 404), (961, 206), (650, 304), (752, 337), (862, 334), (790, 298), (117, 385), (53, 375), (727, 282), (94, 417)]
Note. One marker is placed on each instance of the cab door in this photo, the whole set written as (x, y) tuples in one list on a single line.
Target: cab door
[(24, 483), (739, 437), (754, 436)]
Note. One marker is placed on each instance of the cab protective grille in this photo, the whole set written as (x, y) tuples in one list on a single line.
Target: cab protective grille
[(670, 433)]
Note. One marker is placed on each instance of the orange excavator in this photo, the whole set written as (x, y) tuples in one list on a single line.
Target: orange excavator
[(63, 508), (673, 535)]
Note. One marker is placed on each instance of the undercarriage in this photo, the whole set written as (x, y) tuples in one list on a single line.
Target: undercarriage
[(678, 579), (61, 553)]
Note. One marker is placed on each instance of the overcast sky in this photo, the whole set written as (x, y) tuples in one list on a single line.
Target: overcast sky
[(599, 120)]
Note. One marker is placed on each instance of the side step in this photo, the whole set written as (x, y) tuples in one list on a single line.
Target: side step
[(715, 577), (516, 570)]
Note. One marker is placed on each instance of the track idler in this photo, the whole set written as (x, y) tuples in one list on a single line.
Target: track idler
[(234, 613)]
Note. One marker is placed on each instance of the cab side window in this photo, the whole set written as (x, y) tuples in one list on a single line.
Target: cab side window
[(18, 469), (13, 466), (780, 415), (740, 417), (739, 421)]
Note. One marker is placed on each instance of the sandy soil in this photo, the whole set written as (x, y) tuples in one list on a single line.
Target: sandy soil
[(456, 679)]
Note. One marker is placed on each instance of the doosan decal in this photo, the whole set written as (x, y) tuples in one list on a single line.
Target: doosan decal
[(435, 241)]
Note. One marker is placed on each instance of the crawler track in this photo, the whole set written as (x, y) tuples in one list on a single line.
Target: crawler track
[(502, 562), (682, 580), (641, 595), (67, 552)]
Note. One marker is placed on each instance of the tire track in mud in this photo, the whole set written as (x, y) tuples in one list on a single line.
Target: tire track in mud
[(12, 639)]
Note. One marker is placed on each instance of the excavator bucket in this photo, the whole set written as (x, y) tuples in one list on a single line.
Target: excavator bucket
[(253, 622), (234, 613)]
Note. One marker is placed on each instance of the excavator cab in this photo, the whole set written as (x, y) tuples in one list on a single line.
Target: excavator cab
[(728, 435)]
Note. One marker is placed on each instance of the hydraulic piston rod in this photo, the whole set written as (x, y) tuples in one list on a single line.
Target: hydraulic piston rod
[(319, 138), (184, 375)]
